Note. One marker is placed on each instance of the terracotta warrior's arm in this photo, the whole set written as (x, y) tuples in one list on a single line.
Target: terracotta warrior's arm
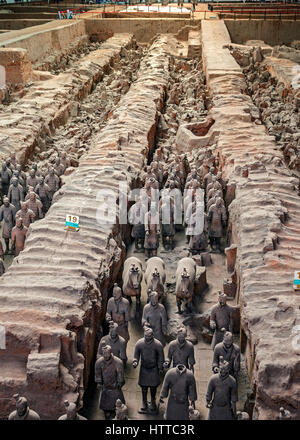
[(209, 393), (215, 364), (165, 388), (169, 357), (212, 322)]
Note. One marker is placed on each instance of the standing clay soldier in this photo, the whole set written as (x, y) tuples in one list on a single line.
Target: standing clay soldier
[(7, 214), (59, 168), (221, 396), (230, 352), (115, 341), (154, 314), (152, 231), (109, 376), (32, 180), (181, 384), (118, 310), (20, 179), (15, 193), (5, 175), (25, 214), (34, 205), (71, 413), (22, 412), (18, 236), (181, 351), (22, 175), (13, 160), (136, 218), (217, 221), (64, 161), (220, 319), (52, 181), (43, 191), (121, 411), (150, 352), (208, 177), (168, 222)]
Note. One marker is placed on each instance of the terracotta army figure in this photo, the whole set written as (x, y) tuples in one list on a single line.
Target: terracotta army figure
[(221, 396), (109, 376), (149, 174), (22, 412), (71, 413), (167, 212), (155, 315), (5, 175), (32, 179), (34, 205), (121, 411), (7, 214), (59, 168), (15, 193), (18, 176), (181, 384), (118, 310), (230, 352), (35, 168), (220, 319), (151, 353), (181, 351), (22, 174), (43, 191), (13, 159), (25, 214), (9, 165), (157, 171), (208, 177), (115, 341), (52, 180), (214, 184), (152, 230), (217, 221), (136, 217), (64, 160), (18, 236)]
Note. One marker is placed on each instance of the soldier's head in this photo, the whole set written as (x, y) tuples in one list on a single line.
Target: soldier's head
[(23, 206), (57, 161), (223, 367), (34, 166), (113, 329), (71, 410), (19, 222), (222, 298), (42, 178), (32, 196), (214, 179), (14, 181), (18, 167), (21, 405), (181, 335), (153, 298), (219, 175), (212, 170), (121, 410), (6, 201), (218, 201), (32, 172), (16, 173), (117, 292), (7, 162), (106, 350), (227, 340), (148, 333), (51, 171)]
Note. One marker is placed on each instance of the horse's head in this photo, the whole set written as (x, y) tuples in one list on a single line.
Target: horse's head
[(185, 281), (134, 276), (155, 278)]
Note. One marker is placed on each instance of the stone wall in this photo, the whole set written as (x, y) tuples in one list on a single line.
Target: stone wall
[(264, 224)]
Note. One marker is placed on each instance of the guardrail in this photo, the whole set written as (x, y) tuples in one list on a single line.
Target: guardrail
[(263, 13)]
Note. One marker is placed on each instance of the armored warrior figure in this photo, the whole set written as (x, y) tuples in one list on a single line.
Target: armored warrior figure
[(71, 413), (217, 221), (181, 384), (208, 177), (35, 205), (15, 193), (228, 351), (32, 180), (155, 315), (22, 412), (181, 351), (5, 175), (43, 191), (7, 214), (136, 217), (109, 376), (118, 310), (52, 181), (18, 236), (25, 214), (221, 319), (221, 396), (151, 353), (152, 230), (115, 341)]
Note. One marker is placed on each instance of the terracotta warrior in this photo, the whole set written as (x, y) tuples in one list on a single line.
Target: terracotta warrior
[(121, 411), (32, 179), (59, 168), (230, 352), (7, 214), (154, 314), (217, 221), (118, 311), (18, 236), (35, 168), (181, 351), (168, 222), (221, 396), (52, 181), (150, 351), (71, 413), (22, 412), (13, 159), (220, 319), (180, 383), (5, 175), (18, 176), (115, 341), (136, 217), (25, 214), (208, 177), (35, 205), (152, 230), (22, 174), (109, 376), (43, 191), (15, 193), (64, 160)]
